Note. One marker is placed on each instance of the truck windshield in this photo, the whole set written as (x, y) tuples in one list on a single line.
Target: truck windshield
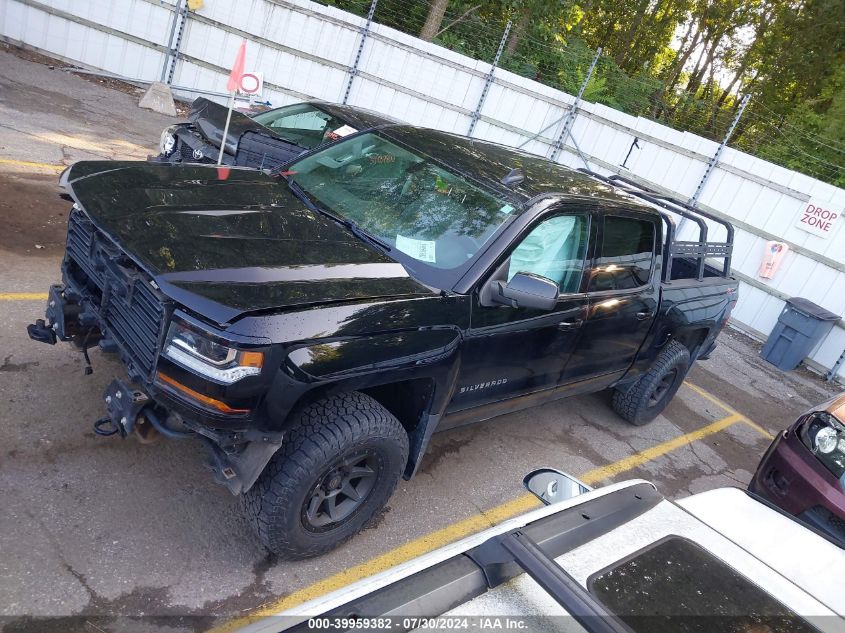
[(433, 219)]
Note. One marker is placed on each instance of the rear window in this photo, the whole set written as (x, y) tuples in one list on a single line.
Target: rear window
[(675, 586), (626, 256)]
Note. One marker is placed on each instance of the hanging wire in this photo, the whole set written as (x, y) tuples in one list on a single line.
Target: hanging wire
[(837, 146), (770, 130), (779, 123)]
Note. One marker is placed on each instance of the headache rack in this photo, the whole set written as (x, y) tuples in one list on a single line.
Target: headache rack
[(696, 252)]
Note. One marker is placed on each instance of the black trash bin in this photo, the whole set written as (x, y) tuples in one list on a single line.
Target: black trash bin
[(800, 327)]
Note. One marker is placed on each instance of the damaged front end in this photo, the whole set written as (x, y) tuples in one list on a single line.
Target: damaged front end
[(107, 300), (235, 459)]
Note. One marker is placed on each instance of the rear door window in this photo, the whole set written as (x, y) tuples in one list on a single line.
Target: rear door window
[(626, 257)]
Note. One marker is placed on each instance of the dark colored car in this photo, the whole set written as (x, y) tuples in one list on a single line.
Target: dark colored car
[(315, 328), (263, 140), (803, 472)]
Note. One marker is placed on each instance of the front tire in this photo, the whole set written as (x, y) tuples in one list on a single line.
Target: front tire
[(337, 467), (650, 395)]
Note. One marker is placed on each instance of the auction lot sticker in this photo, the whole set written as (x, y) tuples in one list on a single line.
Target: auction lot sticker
[(423, 250), (818, 218)]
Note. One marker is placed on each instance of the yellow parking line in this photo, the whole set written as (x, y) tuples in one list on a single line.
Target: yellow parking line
[(412, 549), (757, 428), (653, 452), (747, 421), (466, 527), (31, 164), (23, 296)]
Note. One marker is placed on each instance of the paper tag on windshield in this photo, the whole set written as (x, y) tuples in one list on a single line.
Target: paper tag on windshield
[(344, 130), (423, 250)]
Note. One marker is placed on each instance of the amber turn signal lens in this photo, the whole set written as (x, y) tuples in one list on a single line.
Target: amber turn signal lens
[(196, 395), (251, 359)]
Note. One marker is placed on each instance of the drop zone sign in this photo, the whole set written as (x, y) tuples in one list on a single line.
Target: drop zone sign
[(818, 218)]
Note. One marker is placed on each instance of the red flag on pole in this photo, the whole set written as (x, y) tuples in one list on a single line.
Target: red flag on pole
[(232, 86), (237, 69)]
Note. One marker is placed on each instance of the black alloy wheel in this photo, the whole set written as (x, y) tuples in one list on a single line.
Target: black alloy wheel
[(663, 386), (340, 461), (644, 400), (340, 492)]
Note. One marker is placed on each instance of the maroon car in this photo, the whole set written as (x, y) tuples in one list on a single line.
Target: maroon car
[(803, 472)]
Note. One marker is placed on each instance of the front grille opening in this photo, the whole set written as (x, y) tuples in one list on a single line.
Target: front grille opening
[(128, 308), (81, 279)]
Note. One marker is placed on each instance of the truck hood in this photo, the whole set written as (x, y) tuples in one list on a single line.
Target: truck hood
[(225, 241), (210, 119)]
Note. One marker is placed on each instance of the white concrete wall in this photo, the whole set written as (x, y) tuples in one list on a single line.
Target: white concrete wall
[(305, 51)]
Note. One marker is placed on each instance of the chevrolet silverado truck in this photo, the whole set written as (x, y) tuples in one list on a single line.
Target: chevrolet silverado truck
[(315, 326)]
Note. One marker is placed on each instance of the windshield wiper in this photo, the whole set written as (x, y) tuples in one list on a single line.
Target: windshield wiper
[(360, 233), (356, 230)]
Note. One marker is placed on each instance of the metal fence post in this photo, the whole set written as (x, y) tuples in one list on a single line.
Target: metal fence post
[(830, 376), (714, 160), (488, 80), (711, 164), (365, 32), (177, 29), (573, 109)]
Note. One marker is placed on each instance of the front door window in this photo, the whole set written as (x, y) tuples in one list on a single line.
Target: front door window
[(555, 250)]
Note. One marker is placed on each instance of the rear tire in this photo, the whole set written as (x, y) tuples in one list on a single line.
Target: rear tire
[(337, 468), (650, 395)]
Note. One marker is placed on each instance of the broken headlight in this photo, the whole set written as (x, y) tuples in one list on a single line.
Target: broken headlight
[(198, 352), (167, 142)]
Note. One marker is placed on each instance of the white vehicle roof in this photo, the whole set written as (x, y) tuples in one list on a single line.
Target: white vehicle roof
[(797, 567), (784, 545)]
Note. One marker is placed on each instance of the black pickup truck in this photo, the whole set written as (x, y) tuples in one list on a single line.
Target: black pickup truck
[(315, 326)]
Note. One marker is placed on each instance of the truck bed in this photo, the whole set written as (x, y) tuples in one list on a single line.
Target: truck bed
[(687, 268)]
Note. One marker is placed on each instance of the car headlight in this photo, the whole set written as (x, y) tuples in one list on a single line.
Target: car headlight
[(197, 352), (167, 142), (824, 435), (826, 440)]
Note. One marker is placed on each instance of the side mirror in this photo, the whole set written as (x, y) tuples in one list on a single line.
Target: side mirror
[(525, 290), (553, 486)]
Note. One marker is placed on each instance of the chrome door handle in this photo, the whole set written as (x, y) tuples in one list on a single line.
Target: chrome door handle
[(642, 316), (570, 325)]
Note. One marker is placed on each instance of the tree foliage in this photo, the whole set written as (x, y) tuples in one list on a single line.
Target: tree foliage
[(685, 63)]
